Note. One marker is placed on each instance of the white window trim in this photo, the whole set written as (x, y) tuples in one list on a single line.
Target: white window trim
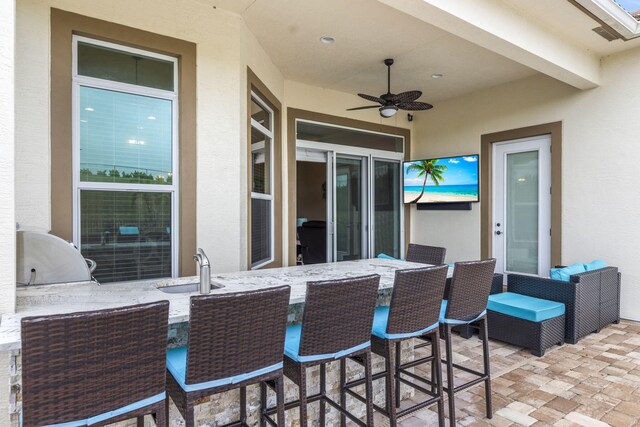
[(79, 81), (269, 134)]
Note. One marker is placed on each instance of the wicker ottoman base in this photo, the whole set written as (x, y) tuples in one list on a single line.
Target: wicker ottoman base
[(535, 336)]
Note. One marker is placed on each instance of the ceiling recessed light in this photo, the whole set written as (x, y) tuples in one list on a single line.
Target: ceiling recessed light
[(437, 75), (151, 117), (327, 39), (89, 109)]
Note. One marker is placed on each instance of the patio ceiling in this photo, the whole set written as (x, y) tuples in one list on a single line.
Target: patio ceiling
[(366, 32), (476, 45)]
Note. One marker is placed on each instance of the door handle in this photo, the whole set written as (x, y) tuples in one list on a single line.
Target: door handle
[(498, 232)]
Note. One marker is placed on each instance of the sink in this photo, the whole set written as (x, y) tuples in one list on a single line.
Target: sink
[(186, 289)]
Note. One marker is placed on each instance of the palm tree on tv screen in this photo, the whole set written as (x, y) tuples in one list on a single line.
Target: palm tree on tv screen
[(427, 168)]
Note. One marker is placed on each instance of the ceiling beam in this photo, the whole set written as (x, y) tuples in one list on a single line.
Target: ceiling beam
[(494, 26)]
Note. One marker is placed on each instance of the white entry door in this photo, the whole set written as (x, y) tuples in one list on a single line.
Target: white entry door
[(522, 206)]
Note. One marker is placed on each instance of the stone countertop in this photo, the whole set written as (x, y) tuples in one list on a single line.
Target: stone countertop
[(85, 296)]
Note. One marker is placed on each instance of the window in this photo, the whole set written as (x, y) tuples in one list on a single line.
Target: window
[(125, 160), (262, 226)]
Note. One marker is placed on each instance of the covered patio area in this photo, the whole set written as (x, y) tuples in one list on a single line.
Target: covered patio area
[(322, 141)]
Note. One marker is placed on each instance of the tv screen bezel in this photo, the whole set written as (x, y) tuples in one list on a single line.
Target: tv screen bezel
[(441, 158)]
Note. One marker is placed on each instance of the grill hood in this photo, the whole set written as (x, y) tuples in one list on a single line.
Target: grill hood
[(43, 259)]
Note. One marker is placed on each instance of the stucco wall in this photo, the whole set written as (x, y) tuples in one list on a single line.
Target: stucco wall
[(601, 209), (7, 194), (222, 40), (225, 47), (7, 158)]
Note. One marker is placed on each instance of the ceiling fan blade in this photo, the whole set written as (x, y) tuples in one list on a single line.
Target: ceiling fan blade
[(415, 106), (406, 97), (372, 98), (363, 108)]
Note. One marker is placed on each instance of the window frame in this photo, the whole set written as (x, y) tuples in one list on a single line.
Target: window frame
[(79, 81), (254, 124)]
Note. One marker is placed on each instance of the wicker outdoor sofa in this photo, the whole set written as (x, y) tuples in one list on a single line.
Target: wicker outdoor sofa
[(592, 298)]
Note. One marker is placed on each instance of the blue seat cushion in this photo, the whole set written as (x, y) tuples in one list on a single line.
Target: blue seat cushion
[(443, 319), (565, 273), (131, 231), (380, 321), (595, 265), (525, 307), (177, 366), (385, 256), (292, 347)]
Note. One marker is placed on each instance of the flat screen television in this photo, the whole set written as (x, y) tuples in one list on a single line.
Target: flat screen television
[(442, 180)]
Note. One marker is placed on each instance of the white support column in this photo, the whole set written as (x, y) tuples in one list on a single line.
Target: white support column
[(7, 162)]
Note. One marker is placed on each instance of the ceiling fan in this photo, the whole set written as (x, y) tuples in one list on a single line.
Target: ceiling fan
[(390, 103)]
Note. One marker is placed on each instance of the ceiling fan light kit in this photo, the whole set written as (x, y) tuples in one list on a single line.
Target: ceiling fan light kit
[(390, 103), (388, 111)]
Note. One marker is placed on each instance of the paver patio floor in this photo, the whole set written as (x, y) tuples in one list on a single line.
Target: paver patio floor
[(593, 383)]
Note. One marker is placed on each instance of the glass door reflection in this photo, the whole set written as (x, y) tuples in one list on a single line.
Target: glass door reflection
[(386, 208), (350, 208)]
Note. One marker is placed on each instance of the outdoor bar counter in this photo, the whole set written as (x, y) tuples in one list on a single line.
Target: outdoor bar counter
[(85, 296)]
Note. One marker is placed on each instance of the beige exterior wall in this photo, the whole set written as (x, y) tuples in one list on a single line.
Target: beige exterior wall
[(225, 48), (600, 206), (7, 157), (219, 79), (7, 189), (223, 45)]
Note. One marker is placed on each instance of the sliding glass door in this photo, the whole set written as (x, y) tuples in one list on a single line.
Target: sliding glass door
[(362, 191), (387, 210), (364, 207), (350, 208)]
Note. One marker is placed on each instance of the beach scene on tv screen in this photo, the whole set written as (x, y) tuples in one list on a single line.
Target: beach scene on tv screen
[(444, 180)]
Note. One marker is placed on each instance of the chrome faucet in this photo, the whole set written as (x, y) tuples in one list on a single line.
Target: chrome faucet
[(205, 271)]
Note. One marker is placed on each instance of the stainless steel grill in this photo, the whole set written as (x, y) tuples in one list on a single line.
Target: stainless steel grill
[(44, 259)]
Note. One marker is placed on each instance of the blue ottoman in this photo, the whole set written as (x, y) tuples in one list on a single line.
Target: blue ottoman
[(532, 323)]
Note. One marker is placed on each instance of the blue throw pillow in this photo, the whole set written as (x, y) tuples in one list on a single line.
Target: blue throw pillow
[(565, 273), (554, 273), (594, 265)]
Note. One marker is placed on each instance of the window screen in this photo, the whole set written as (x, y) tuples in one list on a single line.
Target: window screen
[(260, 231), (127, 233), (124, 161), (124, 138), (261, 183)]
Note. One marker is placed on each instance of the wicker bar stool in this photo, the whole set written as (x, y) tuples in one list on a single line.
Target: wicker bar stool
[(336, 324), (235, 340), (414, 311), (467, 305), (423, 254), (95, 368)]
